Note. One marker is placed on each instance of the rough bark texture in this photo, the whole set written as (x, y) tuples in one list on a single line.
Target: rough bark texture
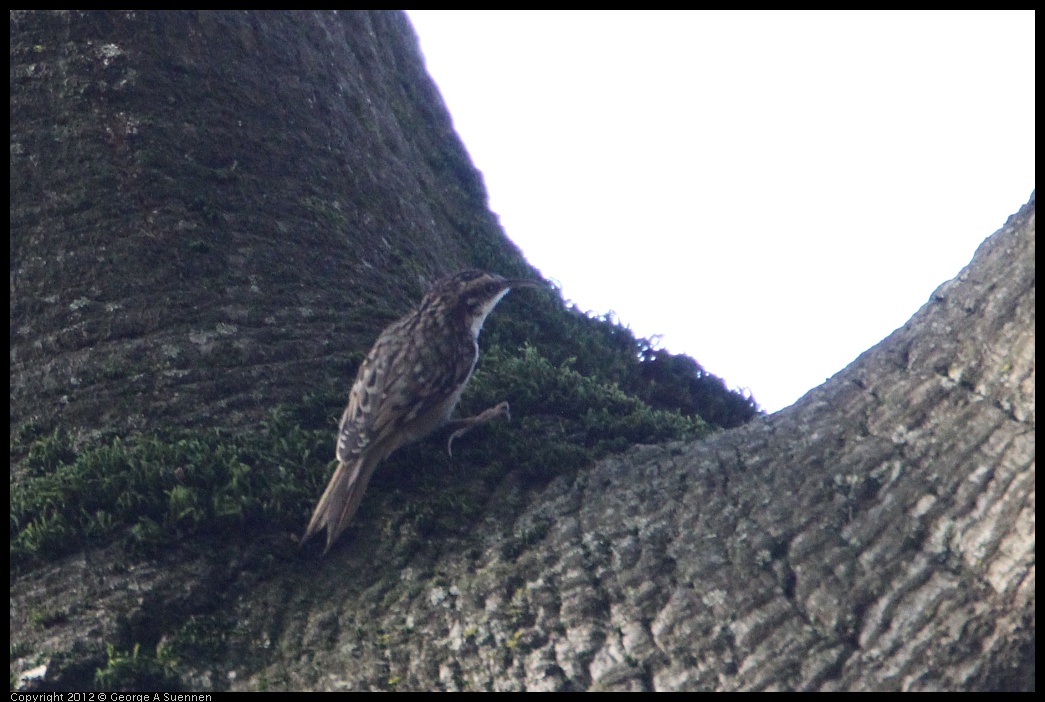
[(208, 208), (879, 534)]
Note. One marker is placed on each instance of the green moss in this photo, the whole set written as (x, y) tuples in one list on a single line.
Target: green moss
[(47, 618), (600, 348), (148, 491), (200, 638), (199, 246), (151, 490), (19, 649), (134, 671), (328, 212)]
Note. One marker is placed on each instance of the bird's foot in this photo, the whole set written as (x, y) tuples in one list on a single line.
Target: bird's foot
[(463, 426)]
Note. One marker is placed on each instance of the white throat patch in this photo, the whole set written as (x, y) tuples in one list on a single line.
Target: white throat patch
[(484, 311)]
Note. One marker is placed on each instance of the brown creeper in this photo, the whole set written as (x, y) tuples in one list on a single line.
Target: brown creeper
[(407, 387)]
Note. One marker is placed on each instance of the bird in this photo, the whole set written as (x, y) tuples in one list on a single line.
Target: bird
[(408, 386)]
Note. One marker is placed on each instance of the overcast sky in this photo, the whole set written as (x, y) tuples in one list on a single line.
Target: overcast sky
[(771, 193)]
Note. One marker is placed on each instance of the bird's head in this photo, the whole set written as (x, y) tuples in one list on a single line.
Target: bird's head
[(473, 294)]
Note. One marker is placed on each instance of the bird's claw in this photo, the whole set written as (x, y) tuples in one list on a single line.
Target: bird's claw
[(466, 425)]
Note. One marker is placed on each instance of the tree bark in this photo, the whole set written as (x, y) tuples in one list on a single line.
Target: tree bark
[(210, 209), (879, 534)]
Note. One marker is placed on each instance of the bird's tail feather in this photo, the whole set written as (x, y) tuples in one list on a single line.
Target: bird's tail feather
[(340, 500)]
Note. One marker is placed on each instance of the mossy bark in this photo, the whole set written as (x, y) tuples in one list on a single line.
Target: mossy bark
[(215, 213)]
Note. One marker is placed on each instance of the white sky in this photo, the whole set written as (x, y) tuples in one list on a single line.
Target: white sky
[(772, 193)]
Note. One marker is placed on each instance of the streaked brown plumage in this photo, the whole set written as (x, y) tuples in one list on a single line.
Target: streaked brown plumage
[(408, 386)]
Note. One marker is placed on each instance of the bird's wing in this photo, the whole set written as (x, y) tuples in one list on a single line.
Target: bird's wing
[(398, 383)]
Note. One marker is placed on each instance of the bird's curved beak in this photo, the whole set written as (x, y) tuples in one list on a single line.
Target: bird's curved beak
[(524, 283)]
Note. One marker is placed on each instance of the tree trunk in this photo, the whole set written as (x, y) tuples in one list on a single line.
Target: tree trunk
[(209, 207)]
